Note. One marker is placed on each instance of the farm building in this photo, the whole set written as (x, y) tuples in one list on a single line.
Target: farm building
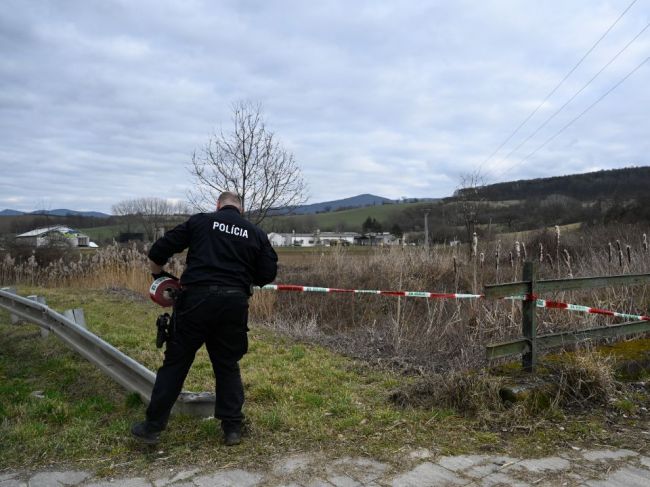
[(379, 239), (53, 235)]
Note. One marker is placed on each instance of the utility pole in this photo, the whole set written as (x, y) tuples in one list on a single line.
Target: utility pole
[(426, 230)]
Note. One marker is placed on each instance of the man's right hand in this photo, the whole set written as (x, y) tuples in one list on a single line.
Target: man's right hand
[(162, 273)]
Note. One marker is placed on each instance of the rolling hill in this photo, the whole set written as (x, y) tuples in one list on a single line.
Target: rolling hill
[(590, 186), (327, 206), (57, 212), (595, 197)]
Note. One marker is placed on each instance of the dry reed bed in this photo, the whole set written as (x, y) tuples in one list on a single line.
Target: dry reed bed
[(430, 334)]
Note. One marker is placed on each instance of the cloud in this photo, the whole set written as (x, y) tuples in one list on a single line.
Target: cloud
[(106, 101)]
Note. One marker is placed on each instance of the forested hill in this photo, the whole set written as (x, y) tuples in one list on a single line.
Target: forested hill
[(608, 184)]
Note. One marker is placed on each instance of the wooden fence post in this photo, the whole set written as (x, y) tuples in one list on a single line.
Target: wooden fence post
[(529, 316)]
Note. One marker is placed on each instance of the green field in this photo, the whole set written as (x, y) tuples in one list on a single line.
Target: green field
[(106, 233), (56, 407), (346, 219)]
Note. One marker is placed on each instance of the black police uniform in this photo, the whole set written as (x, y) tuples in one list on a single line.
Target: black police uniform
[(226, 255)]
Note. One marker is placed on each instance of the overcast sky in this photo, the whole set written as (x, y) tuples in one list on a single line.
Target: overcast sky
[(106, 100)]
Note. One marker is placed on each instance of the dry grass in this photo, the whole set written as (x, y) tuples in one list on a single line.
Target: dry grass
[(584, 378), (473, 394), (303, 396), (113, 266), (578, 382), (300, 397), (412, 332)]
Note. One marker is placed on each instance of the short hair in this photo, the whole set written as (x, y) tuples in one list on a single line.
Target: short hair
[(229, 198)]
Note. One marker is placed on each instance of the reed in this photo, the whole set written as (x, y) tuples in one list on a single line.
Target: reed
[(424, 333)]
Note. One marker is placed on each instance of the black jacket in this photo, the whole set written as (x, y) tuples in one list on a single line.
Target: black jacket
[(224, 250)]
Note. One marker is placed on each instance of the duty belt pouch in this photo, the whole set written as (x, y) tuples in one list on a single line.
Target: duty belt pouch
[(163, 329), (175, 307), (166, 324)]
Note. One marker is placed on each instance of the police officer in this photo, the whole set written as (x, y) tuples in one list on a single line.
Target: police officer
[(226, 255)]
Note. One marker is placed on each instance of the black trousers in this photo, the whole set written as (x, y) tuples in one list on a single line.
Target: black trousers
[(219, 319)]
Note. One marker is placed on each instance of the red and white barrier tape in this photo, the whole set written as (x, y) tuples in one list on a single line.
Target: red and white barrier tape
[(408, 294), (540, 303)]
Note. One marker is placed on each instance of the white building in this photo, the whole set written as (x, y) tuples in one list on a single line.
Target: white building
[(312, 239), (277, 239), (57, 234)]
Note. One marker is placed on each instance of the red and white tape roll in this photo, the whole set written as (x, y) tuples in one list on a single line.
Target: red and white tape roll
[(163, 291)]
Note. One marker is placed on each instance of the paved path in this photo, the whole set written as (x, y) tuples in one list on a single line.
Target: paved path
[(589, 468)]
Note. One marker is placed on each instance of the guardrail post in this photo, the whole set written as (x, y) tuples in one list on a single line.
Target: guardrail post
[(529, 317), (76, 315)]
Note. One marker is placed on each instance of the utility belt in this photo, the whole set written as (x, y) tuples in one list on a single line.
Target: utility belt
[(215, 289), (166, 323)]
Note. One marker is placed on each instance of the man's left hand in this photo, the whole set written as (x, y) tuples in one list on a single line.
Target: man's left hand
[(162, 273)]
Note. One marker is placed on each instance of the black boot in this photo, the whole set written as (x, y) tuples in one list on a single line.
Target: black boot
[(232, 438), (232, 432), (146, 432)]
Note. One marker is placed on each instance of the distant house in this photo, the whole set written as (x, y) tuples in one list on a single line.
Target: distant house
[(53, 235), (277, 239), (379, 239), (293, 239)]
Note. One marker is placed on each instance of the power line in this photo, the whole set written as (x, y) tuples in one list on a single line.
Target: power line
[(552, 116), (571, 122), (559, 84)]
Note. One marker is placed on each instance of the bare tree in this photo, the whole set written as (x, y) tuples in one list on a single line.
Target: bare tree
[(248, 161), (151, 213), (470, 201), (126, 209)]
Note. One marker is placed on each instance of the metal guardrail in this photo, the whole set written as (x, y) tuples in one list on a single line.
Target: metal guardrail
[(127, 372)]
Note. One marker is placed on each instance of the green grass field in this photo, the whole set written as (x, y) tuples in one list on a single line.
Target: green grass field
[(353, 218), (298, 397), (55, 408)]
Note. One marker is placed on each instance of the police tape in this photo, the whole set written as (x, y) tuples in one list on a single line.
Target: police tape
[(540, 303), (407, 294)]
